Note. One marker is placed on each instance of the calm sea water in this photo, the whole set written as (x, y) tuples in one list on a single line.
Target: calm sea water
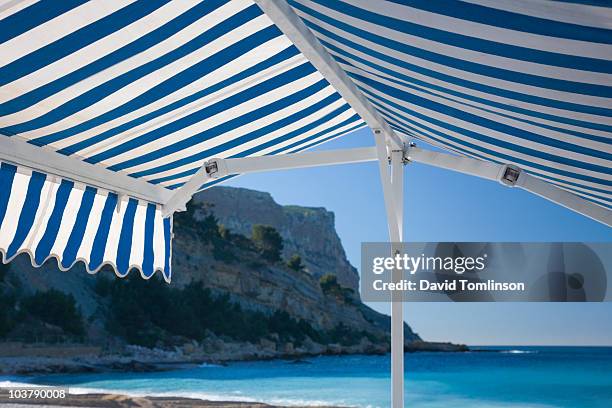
[(521, 377)]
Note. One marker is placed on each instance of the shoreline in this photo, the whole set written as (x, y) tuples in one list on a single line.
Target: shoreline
[(54, 360), (103, 400)]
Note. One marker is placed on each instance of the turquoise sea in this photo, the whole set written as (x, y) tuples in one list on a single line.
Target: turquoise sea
[(496, 377)]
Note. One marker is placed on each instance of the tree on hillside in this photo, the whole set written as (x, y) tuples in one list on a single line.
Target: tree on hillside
[(268, 241), (295, 263), (57, 308)]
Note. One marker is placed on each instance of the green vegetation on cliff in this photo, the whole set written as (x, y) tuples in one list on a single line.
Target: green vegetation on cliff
[(151, 313)]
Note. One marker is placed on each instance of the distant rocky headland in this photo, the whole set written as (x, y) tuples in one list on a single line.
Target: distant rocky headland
[(251, 280)]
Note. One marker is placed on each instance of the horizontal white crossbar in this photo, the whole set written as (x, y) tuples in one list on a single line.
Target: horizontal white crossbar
[(295, 161), (218, 168), (17, 151)]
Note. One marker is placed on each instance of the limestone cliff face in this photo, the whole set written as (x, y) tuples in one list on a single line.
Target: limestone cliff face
[(306, 231)]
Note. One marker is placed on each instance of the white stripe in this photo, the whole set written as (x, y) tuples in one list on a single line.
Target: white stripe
[(247, 106), (243, 130), (138, 231), (581, 14), (68, 219), (514, 123), (320, 140), (14, 207), (341, 131), (177, 40), (94, 51), (57, 28), (483, 79), (45, 209), (220, 74), (10, 7), (114, 233), (375, 72), (478, 30), (159, 250), (93, 222)]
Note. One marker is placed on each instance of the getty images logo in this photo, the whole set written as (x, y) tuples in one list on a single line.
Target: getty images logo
[(414, 264)]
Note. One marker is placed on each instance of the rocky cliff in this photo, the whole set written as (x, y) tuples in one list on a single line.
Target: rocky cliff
[(306, 231)]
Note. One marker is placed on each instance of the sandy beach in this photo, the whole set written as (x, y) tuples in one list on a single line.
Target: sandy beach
[(123, 401)]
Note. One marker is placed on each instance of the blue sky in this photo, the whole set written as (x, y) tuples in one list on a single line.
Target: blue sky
[(447, 206)]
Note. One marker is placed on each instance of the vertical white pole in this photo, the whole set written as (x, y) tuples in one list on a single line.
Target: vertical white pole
[(392, 184), (397, 312)]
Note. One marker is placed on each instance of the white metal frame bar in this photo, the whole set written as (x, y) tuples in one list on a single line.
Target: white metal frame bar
[(218, 168), (523, 180), (19, 152), (392, 155)]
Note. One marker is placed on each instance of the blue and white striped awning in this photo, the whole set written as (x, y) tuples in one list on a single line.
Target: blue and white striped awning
[(508, 81), (46, 216), (150, 89)]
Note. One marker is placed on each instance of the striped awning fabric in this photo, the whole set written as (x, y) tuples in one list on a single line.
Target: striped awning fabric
[(46, 216), (153, 89), (508, 81)]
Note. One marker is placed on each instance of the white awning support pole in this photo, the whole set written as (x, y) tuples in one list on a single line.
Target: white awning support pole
[(392, 180), (218, 168), (283, 16), (512, 176)]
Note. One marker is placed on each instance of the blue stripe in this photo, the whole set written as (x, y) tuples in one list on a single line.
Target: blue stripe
[(302, 147), (512, 21), (208, 111), (76, 236), (53, 224), (98, 93), (7, 175), (33, 16), (28, 212), (282, 56), (251, 117), (505, 50), (99, 244), (135, 47), (490, 124), (76, 40), (170, 85), (149, 232), (125, 238), (481, 69), (167, 249)]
